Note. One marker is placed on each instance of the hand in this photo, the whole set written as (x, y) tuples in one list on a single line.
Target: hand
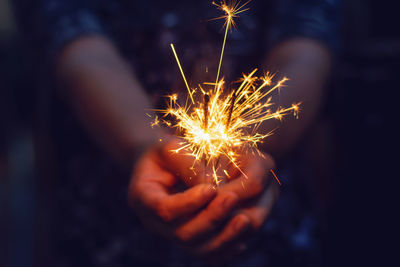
[(198, 218), (255, 187), (257, 191)]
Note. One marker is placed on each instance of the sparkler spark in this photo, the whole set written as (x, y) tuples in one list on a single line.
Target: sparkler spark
[(224, 124)]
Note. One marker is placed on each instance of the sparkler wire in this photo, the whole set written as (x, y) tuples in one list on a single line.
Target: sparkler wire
[(219, 125)]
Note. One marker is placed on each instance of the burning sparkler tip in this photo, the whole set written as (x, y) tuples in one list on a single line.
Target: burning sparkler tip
[(218, 126)]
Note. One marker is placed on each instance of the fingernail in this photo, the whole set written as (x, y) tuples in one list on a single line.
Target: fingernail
[(241, 224), (208, 191)]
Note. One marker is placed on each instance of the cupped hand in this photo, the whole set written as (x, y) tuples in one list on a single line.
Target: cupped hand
[(257, 192), (255, 188), (253, 183), (199, 218)]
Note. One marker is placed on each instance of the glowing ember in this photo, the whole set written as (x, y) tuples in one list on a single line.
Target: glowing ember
[(224, 124)]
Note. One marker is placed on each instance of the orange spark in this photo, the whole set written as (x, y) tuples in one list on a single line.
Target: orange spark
[(224, 124)]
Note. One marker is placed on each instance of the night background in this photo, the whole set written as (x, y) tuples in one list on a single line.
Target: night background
[(360, 112)]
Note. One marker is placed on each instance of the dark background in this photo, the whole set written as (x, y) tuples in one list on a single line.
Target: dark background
[(362, 104)]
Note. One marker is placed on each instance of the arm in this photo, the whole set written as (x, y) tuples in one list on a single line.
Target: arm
[(70, 40), (306, 63), (106, 96), (302, 35)]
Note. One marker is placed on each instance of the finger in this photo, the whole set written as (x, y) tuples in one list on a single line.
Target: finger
[(254, 178), (180, 162), (151, 189), (149, 182), (259, 209), (209, 219), (185, 203), (231, 233)]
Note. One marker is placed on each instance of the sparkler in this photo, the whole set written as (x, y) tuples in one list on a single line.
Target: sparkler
[(224, 124)]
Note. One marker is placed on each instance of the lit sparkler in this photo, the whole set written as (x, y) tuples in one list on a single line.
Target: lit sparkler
[(224, 124)]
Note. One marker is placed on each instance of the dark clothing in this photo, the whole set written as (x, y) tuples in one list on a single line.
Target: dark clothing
[(52, 23), (93, 225), (143, 30)]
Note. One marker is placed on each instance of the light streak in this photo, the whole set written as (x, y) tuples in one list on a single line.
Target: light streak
[(220, 123), (183, 74)]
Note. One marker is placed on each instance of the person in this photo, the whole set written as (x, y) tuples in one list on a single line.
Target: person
[(110, 62)]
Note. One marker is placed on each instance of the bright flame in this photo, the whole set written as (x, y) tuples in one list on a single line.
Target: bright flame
[(224, 124), (231, 10)]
